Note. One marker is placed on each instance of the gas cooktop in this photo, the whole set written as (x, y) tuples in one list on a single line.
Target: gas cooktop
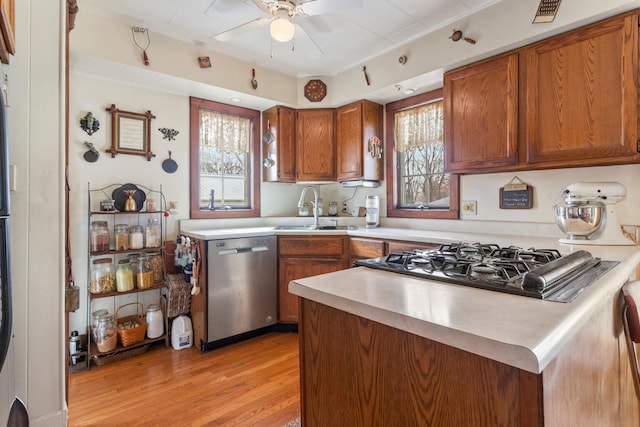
[(537, 273)]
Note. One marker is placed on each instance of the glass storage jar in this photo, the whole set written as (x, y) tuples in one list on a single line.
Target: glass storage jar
[(333, 208), (122, 237), (99, 236), (155, 324), (136, 237), (94, 319), (152, 205), (152, 233), (304, 209), (144, 275), (124, 276), (103, 277), (133, 261), (106, 336), (156, 261)]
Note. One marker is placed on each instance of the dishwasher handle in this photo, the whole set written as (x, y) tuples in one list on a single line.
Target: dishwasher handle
[(243, 250)]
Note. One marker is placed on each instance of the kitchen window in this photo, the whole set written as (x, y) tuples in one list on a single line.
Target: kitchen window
[(417, 183), (224, 157)]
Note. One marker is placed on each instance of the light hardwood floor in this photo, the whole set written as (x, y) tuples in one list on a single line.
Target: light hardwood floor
[(252, 383)]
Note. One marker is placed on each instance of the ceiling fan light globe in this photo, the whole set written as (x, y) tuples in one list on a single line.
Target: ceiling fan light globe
[(281, 29)]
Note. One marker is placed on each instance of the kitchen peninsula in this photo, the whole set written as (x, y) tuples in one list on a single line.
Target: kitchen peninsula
[(379, 348)]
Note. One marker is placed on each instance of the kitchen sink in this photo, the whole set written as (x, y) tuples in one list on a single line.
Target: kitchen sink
[(311, 227), (294, 227)]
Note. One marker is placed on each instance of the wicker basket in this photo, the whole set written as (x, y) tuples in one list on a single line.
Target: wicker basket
[(179, 295), (134, 335)]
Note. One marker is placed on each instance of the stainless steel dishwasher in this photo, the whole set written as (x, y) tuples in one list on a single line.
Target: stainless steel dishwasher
[(241, 288)]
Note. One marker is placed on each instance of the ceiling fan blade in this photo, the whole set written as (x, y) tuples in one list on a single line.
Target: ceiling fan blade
[(241, 29), (318, 7), (311, 48)]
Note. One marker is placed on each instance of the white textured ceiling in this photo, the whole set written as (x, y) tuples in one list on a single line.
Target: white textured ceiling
[(334, 37)]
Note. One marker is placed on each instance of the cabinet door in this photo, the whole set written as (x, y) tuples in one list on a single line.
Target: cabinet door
[(297, 268), (481, 115), (280, 121), (356, 124), (315, 145), (364, 248), (349, 141), (581, 96)]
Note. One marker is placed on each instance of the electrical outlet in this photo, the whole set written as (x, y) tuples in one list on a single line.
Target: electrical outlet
[(470, 207)]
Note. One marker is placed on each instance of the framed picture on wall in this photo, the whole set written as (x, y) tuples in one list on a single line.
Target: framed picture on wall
[(130, 132)]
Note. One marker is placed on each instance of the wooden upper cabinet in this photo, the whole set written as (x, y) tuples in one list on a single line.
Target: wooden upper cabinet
[(357, 125), (580, 103), (280, 146), (315, 145), (481, 115)]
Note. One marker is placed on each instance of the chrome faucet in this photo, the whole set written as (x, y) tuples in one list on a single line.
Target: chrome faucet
[(315, 204)]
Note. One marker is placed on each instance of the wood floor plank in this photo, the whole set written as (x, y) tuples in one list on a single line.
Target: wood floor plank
[(252, 383)]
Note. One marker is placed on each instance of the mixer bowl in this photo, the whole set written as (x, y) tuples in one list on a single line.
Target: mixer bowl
[(580, 220)]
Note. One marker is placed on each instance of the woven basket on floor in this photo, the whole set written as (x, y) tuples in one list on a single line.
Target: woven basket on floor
[(133, 335)]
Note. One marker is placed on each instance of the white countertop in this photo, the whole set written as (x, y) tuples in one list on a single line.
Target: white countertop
[(523, 332), (379, 233), (229, 233)]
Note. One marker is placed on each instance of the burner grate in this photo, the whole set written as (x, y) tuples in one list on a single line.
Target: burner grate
[(538, 273)]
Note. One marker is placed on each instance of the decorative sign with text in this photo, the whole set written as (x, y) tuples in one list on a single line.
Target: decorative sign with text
[(516, 195)]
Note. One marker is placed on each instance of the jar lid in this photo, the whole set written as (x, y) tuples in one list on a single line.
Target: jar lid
[(105, 317), (98, 223), (154, 221), (153, 307), (102, 260), (124, 261), (121, 226), (99, 314)]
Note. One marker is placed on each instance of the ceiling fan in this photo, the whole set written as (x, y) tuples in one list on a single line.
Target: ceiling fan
[(285, 19)]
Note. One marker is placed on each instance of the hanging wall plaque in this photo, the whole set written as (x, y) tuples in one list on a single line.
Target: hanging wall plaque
[(516, 195)]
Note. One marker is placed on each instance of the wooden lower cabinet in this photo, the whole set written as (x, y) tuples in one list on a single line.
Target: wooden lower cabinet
[(297, 268), (305, 256), (365, 248), (358, 372)]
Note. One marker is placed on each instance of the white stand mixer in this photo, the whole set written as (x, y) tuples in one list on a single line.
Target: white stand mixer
[(590, 208)]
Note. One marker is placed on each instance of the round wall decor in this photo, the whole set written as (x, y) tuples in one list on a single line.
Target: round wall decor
[(315, 90)]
